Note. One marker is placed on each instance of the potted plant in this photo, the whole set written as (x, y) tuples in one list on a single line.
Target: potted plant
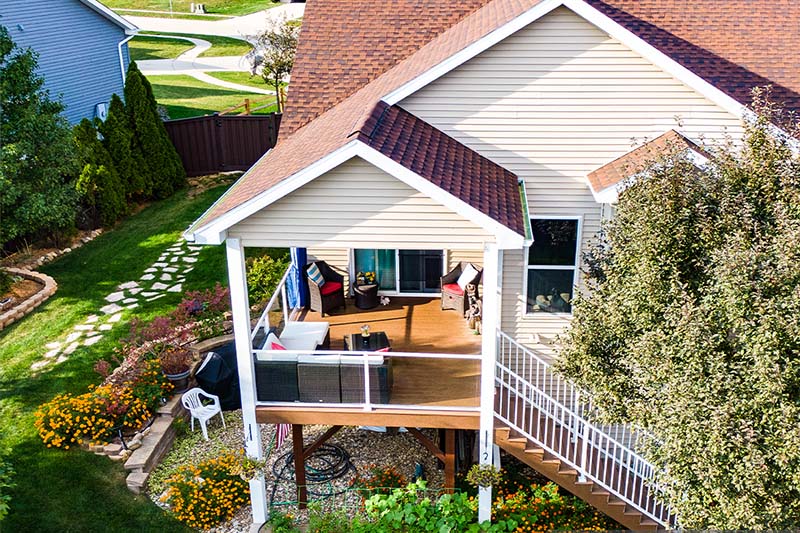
[(175, 362)]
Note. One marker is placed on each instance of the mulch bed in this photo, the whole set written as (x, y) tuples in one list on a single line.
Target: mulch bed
[(20, 291)]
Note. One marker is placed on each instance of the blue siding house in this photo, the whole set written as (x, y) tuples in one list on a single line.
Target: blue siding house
[(82, 47)]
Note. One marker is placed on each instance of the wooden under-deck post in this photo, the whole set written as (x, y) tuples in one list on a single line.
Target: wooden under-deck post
[(491, 323), (299, 465), (450, 460), (240, 307)]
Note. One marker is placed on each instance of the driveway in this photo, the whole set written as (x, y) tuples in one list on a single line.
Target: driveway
[(240, 27)]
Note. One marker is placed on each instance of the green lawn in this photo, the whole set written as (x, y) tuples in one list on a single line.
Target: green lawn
[(184, 96), (233, 8), (142, 47), (220, 46), (76, 491), (243, 78)]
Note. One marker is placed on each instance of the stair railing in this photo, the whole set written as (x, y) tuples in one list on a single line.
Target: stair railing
[(554, 414)]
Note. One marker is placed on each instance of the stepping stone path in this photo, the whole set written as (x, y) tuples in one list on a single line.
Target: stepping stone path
[(171, 267)]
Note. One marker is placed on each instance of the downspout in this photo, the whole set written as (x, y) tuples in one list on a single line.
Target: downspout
[(121, 57)]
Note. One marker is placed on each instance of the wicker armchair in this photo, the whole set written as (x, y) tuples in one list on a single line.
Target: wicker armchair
[(453, 296), (331, 295)]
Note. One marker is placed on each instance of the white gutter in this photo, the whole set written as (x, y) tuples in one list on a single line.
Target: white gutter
[(121, 58)]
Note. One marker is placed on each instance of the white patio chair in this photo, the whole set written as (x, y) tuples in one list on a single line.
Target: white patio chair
[(193, 402)]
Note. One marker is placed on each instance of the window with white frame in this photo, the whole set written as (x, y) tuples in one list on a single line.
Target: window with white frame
[(552, 265)]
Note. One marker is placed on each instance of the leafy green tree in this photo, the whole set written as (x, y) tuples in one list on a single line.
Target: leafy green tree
[(691, 329), (274, 53), (162, 165), (118, 140), (37, 193), (98, 182)]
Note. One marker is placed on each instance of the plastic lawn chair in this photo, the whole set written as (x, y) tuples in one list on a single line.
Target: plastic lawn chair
[(193, 402)]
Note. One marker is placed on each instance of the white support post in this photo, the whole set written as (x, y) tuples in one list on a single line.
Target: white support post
[(490, 318), (240, 307)]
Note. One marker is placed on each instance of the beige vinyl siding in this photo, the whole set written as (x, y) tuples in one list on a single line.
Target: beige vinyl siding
[(471, 256), (357, 205), (551, 103)]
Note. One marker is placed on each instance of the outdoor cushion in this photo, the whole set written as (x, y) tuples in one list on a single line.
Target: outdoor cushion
[(453, 288), (319, 359), (467, 276), (279, 357), (316, 276), (273, 343), (330, 287)]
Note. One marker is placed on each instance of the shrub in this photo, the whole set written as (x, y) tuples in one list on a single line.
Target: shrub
[(98, 182), (263, 275), (161, 164), (6, 474), (204, 312), (118, 140), (539, 509), (208, 493), (5, 281)]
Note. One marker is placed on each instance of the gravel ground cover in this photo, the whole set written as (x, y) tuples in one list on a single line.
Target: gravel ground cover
[(366, 449)]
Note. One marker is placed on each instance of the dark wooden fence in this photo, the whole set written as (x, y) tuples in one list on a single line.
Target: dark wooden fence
[(218, 143)]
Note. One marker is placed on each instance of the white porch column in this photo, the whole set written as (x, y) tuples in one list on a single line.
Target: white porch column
[(240, 307), (491, 321)]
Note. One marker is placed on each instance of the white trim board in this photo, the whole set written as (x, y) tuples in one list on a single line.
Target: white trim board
[(214, 233), (119, 20), (591, 15)]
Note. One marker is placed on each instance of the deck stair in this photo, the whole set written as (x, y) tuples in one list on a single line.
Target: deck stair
[(545, 421)]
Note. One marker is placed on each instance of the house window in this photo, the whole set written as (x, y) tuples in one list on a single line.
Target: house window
[(552, 265)]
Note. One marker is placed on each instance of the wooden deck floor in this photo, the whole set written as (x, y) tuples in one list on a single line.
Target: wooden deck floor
[(412, 325), (416, 325)]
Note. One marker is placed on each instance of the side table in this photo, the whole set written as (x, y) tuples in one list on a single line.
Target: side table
[(366, 296)]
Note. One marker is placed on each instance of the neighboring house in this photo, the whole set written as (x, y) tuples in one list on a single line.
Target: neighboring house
[(82, 48), (419, 134)]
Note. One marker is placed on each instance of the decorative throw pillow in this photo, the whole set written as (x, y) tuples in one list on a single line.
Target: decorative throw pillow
[(467, 276), (273, 343), (315, 275)]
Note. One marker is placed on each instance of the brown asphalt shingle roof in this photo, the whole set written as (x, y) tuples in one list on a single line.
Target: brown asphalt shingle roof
[(352, 53), (446, 163), (626, 165)]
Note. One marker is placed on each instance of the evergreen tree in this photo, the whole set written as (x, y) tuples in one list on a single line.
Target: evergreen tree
[(164, 168), (98, 183), (37, 192), (118, 140)]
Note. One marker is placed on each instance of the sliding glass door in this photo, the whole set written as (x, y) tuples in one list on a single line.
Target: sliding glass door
[(416, 271)]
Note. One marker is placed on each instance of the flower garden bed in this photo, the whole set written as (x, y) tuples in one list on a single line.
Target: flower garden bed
[(31, 291)]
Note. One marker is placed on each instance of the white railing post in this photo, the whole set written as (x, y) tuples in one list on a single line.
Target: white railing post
[(490, 326), (240, 307), (284, 303)]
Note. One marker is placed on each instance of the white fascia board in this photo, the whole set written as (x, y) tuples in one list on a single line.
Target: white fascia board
[(130, 28), (505, 237), (215, 232), (467, 53)]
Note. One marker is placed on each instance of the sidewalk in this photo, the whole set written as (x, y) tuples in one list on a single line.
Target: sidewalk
[(239, 27)]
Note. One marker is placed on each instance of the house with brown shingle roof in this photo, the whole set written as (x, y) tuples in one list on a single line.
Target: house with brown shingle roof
[(421, 136)]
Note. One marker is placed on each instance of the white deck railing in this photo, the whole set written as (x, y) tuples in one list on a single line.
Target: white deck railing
[(280, 292), (555, 415)]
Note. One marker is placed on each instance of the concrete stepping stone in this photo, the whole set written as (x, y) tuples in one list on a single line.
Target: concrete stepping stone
[(115, 296), (166, 277), (106, 327), (151, 269), (61, 359), (128, 285), (132, 306), (129, 300), (51, 354), (115, 318), (71, 348), (157, 286), (190, 259), (39, 364), (75, 335), (174, 260), (52, 345), (160, 265), (92, 340), (176, 288), (84, 327), (180, 279), (187, 270), (110, 309), (178, 252), (171, 270), (148, 294), (147, 277), (91, 319), (137, 290), (156, 297)]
